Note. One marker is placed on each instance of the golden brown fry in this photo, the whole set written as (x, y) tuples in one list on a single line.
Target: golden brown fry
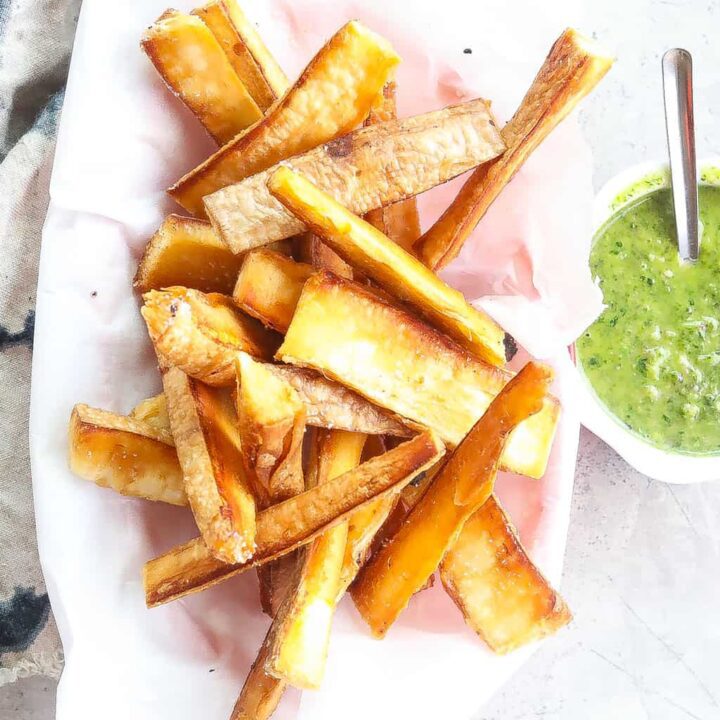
[(364, 524), (406, 367), (247, 53), (187, 252), (194, 66), (268, 287), (288, 525), (363, 527), (403, 566), (572, 69), (202, 333), (126, 454), (399, 221), (276, 579), (272, 426), (365, 169), (204, 427), (261, 692), (331, 405), (502, 595), (301, 632), (393, 268), (332, 95)]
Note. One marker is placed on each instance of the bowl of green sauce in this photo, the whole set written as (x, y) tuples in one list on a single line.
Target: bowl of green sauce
[(649, 366)]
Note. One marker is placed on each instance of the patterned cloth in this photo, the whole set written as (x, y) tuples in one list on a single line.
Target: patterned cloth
[(35, 44)]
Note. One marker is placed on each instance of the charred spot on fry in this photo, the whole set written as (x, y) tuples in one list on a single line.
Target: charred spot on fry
[(511, 347), (340, 148)]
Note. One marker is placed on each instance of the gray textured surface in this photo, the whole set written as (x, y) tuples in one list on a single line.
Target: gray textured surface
[(642, 562)]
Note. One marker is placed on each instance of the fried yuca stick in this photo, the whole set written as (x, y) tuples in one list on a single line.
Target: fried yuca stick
[(269, 286), (246, 51), (406, 367), (187, 252), (301, 632), (272, 426), (499, 591), (261, 692), (363, 527), (364, 524), (126, 454), (572, 69), (202, 333), (295, 522), (333, 406), (393, 268), (332, 95), (204, 427), (402, 567), (399, 221), (365, 169), (194, 66)]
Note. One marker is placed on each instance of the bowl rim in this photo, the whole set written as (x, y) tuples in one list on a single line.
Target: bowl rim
[(663, 465)]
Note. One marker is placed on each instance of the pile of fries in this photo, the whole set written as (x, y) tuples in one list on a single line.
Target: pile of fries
[(333, 413)]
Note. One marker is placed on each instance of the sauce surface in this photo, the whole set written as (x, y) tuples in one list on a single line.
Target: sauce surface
[(653, 356)]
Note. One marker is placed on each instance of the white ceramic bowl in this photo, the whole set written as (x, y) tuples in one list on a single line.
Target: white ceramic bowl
[(658, 464)]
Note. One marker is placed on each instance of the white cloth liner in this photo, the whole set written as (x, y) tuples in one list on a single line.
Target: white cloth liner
[(123, 139)]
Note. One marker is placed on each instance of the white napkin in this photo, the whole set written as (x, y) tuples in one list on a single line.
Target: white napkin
[(123, 140)]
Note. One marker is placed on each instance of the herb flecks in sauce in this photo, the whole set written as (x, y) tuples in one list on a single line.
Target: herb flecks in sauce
[(653, 356)]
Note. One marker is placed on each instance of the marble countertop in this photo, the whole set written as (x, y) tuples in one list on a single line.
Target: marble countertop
[(642, 572)]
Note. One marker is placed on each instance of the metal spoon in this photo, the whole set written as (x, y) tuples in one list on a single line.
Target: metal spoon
[(680, 123)]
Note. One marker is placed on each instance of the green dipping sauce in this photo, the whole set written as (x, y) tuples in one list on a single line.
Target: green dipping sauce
[(653, 356)]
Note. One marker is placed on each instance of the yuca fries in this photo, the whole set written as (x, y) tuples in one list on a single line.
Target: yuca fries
[(301, 631), (573, 68), (402, 566), (246, 51), (332, 96), (363, 527), (393, 268), (211, 88), (365, 169), (204, 427), (315, 232), (272, 425), (128, 455), (406, 367), (202, 333), (501, 594), (295, 522), (261, 692), (269, 286), (188, 253), (333, 406), (399, 221)]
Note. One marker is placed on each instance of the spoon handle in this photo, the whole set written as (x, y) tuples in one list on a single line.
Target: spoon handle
[(680, 123)]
